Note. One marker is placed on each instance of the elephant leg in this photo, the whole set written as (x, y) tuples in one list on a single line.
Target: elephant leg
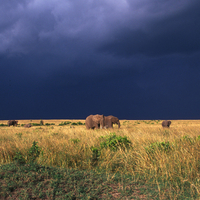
[(87, 127), (97, 126), (110, 124), (106, 126), (118, 125)]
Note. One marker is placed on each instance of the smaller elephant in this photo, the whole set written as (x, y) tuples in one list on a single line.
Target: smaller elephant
[(166, 123), (94, 121), (27, 125), (110, 120), (12, 122)]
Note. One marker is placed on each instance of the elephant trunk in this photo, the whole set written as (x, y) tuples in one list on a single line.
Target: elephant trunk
[(118, 124), (102, 122)]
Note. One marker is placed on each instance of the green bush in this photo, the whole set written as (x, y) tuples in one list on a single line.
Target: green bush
[(19, 158), (80, 123), (64, 123), (35, 124), (96, 152), (114, 142), (187, 139), (161, 146), (33, 152), (3, 125), (77, 123), (47, 124)]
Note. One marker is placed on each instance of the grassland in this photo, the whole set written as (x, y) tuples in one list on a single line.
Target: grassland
[(72, 163)]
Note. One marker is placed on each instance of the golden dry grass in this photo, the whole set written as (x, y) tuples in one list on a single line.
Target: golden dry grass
[(139, 132), (181, 163)]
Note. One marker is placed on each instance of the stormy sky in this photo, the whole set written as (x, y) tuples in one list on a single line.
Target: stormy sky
[(67, 59)]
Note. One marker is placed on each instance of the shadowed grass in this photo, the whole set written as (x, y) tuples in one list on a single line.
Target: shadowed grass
[(33, 181)]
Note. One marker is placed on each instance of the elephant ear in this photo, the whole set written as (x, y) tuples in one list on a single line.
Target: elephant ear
[(114, 119)]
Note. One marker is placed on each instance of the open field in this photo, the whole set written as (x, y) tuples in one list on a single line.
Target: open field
[(166, 161)]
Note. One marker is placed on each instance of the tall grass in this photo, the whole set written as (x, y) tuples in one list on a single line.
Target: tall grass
[(156, 154)]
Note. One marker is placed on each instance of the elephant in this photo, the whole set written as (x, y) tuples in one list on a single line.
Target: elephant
[(166, 123), (27, 125), (110, 120), (95, 121), (12, 122)]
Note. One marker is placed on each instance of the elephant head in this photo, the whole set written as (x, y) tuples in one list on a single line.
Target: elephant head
[(95, 121), (166, 123), (110, 120)]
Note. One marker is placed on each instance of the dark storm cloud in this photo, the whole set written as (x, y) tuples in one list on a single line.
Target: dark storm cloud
[(30, 26), (68, 59), (175, 32)]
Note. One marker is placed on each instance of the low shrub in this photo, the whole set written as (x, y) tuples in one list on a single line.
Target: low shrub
[(3, 125), (31, 156), (161, 146), (64, 123), (19, 158), (114, 142), (80, 123), (187, 138), (33, 152), (96, 152), (35, 124), (48, 124), (77, 123)]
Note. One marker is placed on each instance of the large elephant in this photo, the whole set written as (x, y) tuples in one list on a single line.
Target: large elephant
[(94, 121), (110, 120), (12, 122), (166, 123)]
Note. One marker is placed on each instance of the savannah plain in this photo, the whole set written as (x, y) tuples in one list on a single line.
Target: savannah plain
[(141, 160)]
